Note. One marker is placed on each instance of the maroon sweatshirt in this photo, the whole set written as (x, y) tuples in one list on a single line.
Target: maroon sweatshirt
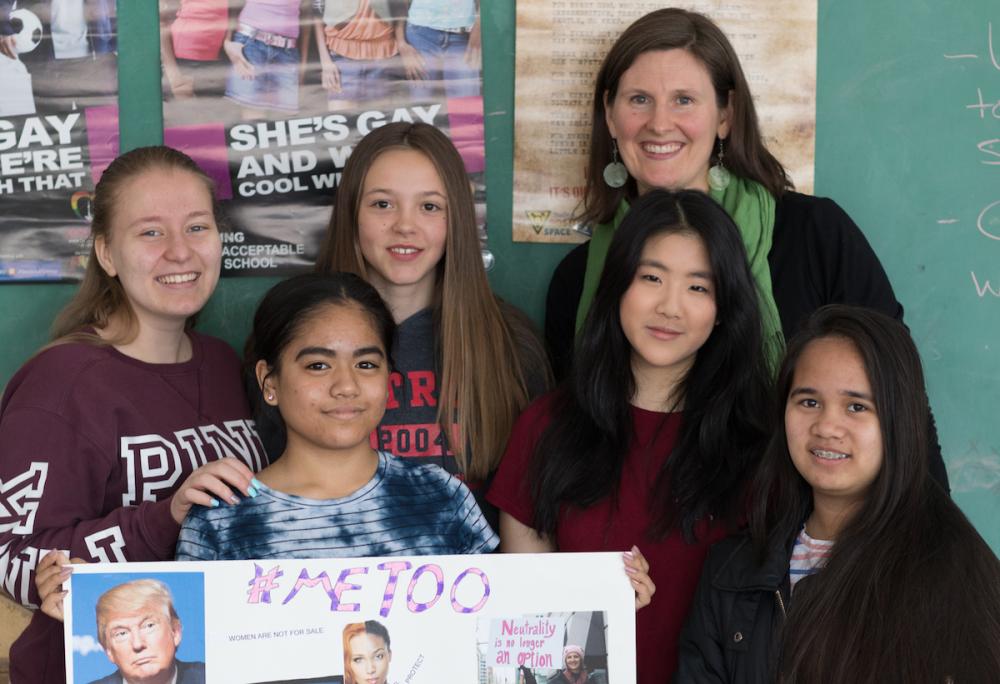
[(93, 444)]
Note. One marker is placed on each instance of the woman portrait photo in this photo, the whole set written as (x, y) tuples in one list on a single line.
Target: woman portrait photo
[(367, 653)]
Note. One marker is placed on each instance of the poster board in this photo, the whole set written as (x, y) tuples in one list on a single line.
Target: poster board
[(448, 618)]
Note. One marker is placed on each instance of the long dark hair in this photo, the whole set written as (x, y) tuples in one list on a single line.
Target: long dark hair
[(578, 460), (910, 587), (280, 315), (678, 29)]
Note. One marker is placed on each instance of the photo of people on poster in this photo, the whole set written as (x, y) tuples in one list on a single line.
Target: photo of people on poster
[(58, 128), (270, 97)]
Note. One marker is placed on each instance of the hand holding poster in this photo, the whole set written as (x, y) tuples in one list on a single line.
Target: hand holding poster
[(386, 620)]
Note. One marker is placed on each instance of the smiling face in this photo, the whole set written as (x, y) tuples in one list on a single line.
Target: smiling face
[(574, 662), (163, 246), (142, 644), (668, 312), (369, 659), (833, 430), (331, 382), (402, 224), (666, 119)]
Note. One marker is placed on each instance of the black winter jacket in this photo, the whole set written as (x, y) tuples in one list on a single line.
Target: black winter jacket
[(732, 634)]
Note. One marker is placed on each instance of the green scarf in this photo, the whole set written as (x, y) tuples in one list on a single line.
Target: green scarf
[(751, 207)]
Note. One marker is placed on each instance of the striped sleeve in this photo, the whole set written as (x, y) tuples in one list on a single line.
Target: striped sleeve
[(473, 533), (197, 538)]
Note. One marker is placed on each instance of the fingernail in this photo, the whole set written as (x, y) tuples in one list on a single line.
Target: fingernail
[(629, 555), (635, 549), (234, 499), (257, 483), (214, 502), (252, 491), (630, 571)]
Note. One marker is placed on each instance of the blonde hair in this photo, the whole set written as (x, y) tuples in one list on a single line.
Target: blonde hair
[(100, 297), (132, 597), (482, 350)]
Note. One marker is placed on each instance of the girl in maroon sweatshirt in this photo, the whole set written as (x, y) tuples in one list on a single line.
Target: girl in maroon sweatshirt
[(110, 433)]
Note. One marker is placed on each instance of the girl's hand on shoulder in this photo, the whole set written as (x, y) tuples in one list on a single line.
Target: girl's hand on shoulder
[(211, 484), (49, 577), (637, 569)]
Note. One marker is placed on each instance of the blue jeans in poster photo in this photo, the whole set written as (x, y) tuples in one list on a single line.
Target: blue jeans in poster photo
[(276, 84), (444, 58), (363, 80)]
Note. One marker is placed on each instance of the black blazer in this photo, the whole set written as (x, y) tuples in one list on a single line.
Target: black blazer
[(187, 673)]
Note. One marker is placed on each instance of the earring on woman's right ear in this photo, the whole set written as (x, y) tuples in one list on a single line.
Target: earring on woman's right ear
[(615, 173)]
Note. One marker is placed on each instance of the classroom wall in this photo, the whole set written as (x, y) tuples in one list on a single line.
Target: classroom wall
[(908, 141), (30, 308)]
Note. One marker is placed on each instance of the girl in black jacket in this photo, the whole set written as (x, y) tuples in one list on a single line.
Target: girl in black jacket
[(896, 585)]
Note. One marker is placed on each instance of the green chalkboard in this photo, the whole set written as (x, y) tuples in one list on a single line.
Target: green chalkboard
[(900, 148), (908, 141)]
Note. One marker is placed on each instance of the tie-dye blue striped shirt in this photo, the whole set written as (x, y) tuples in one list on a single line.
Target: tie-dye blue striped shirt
[(406, 509)]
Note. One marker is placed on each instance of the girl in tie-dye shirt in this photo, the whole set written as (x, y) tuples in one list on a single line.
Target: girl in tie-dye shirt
[(319, 354)]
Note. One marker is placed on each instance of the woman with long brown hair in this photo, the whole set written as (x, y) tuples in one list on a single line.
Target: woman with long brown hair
[(466, 363)]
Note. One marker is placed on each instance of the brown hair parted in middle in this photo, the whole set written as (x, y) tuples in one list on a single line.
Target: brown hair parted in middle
[(678, 29), (101, 297), (483, 345)]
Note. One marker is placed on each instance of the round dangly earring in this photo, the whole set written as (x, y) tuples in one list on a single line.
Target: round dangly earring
[(615, 173), (718, 175)]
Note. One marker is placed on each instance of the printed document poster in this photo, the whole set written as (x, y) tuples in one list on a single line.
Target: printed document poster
[(402, 620), (271, 96), (560, 47), (58, 131)]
